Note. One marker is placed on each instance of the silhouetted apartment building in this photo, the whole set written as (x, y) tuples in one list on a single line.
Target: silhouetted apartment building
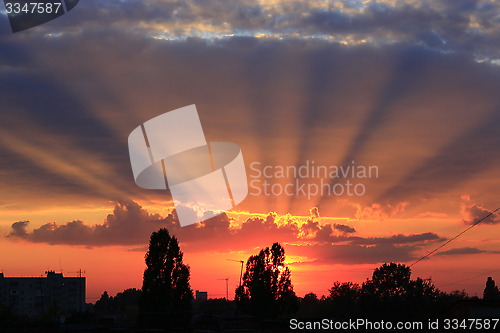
[(38, 296)]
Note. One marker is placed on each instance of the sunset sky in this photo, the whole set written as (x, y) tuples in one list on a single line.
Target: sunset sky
[(410, 87)]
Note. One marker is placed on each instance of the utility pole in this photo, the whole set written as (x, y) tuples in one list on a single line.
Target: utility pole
[(227, 288), (79, 272), (241, 270), (81, 287)]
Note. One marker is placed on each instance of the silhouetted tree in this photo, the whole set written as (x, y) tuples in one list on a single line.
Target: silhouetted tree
[(124, 306), (267, 289), (103, 305), (310, 306), (457, 295), (166, 294), (310, 298), (422, 289), (346, 291), (127, 298), (389, 281), (344, 298), (391, 291), (491, 291)]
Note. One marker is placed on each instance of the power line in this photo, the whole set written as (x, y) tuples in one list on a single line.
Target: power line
[(452, 239)]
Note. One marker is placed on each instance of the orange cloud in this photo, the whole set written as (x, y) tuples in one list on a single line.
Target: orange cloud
[(379, 212), (471, 214), (130, 224)]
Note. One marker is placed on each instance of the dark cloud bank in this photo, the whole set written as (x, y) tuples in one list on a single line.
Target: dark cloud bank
[(130, 225)]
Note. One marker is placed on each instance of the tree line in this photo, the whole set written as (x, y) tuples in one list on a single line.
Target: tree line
[(266, 291)]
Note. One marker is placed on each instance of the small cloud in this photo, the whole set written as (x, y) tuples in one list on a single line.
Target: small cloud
[(474, 213), (460, 250), (19, 229), (465, 197), (344, 228), (314, 212), (379, 212), (400, 239)]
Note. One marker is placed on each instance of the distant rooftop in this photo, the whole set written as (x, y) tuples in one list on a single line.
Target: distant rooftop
[(48, 274)]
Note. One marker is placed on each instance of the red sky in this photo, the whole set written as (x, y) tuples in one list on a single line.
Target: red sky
[(289, 89)]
